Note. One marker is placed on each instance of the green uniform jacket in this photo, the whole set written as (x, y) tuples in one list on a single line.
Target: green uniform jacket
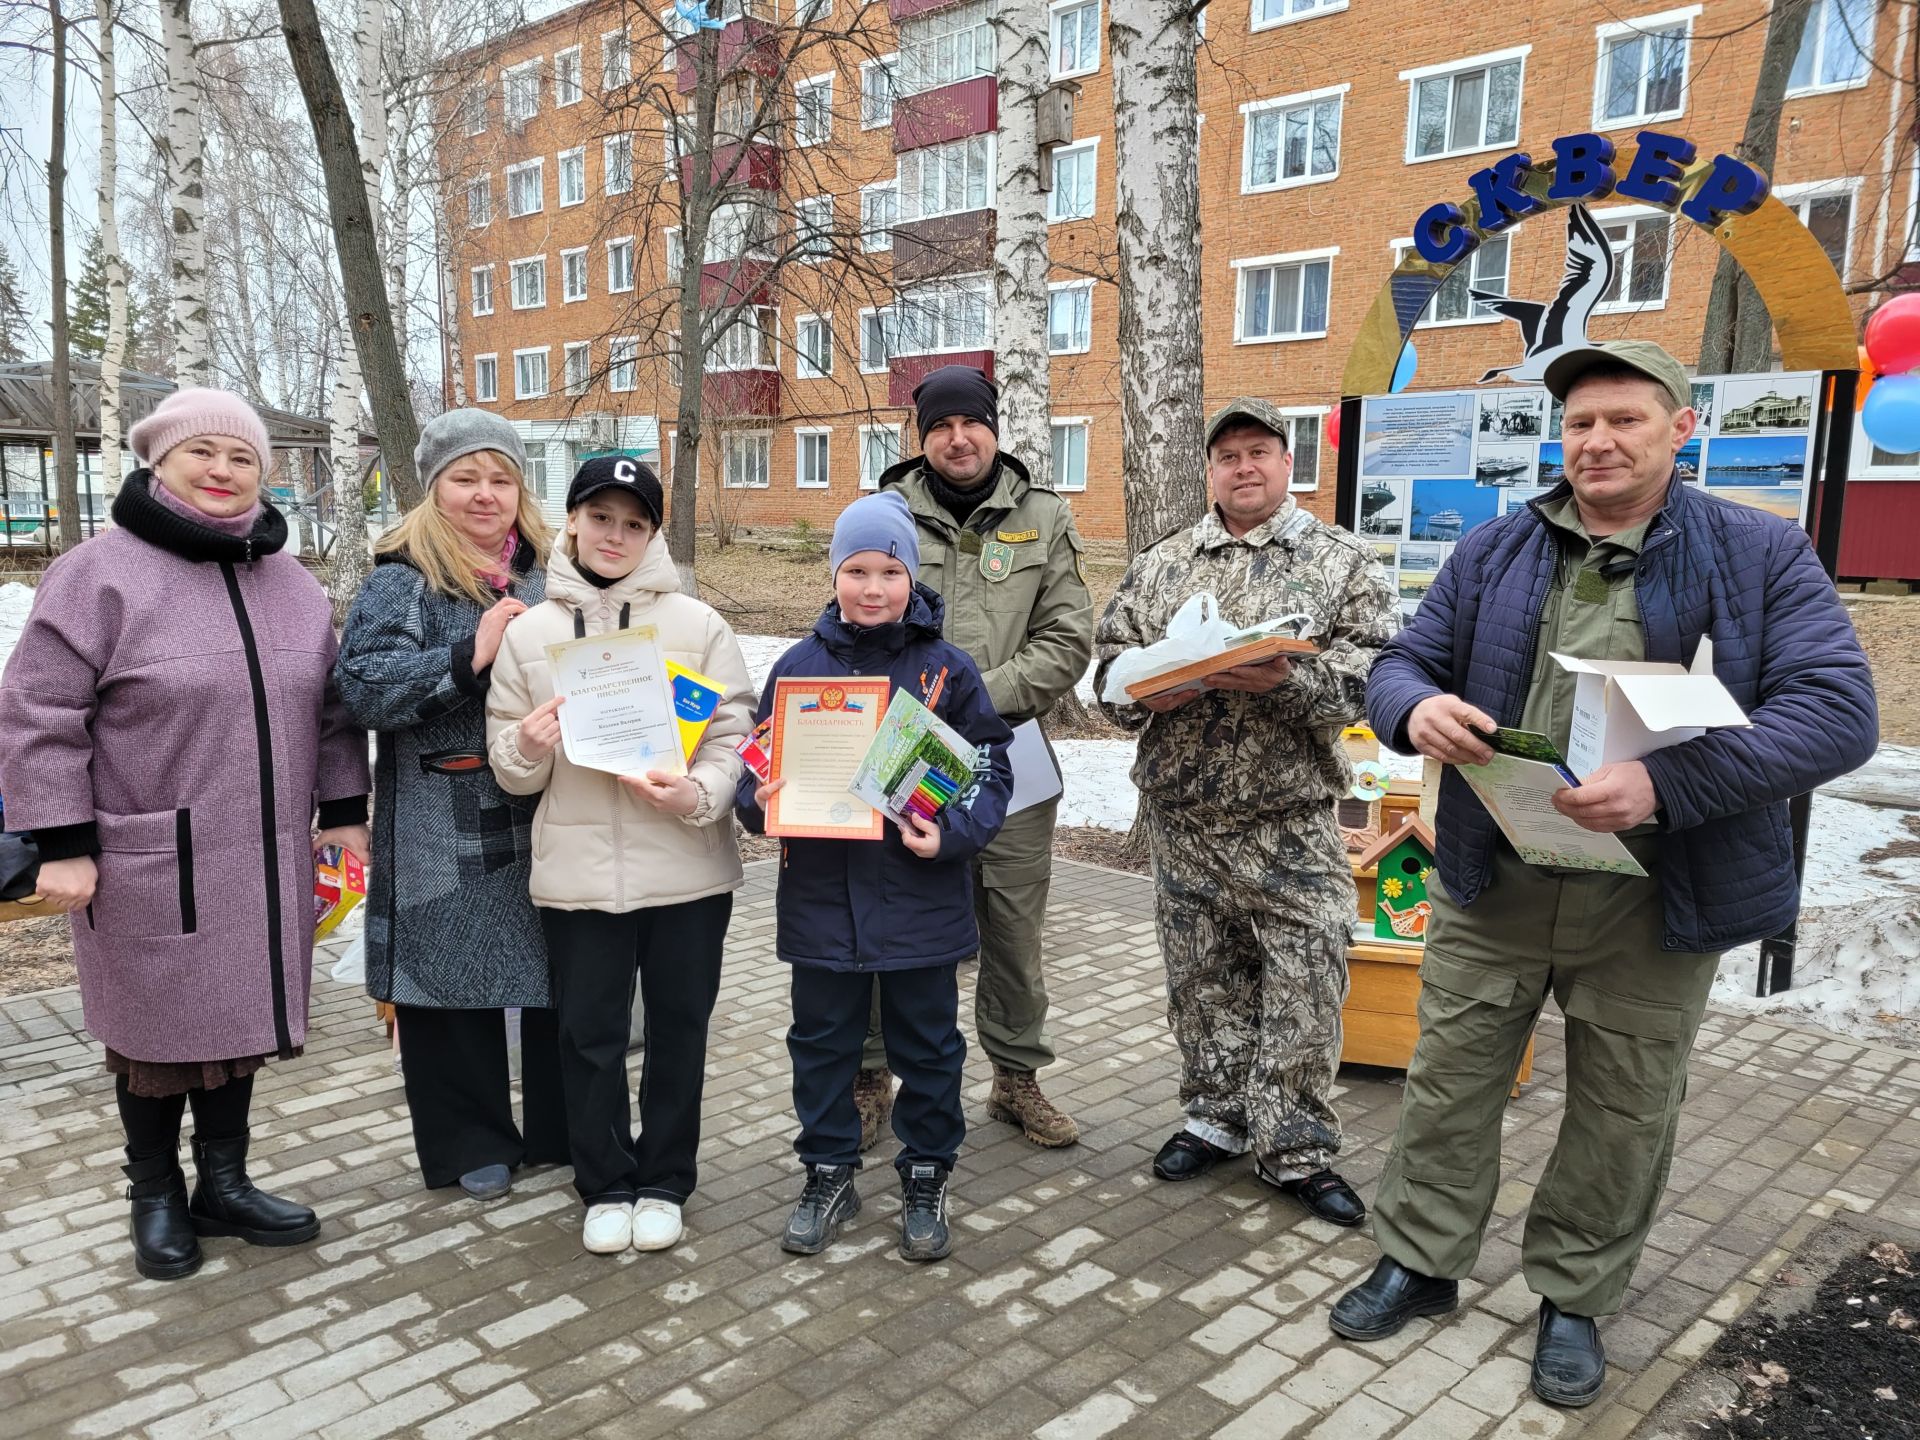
[(1016, 600)]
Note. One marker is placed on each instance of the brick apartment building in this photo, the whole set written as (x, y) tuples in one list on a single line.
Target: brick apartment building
[(1327, 126)]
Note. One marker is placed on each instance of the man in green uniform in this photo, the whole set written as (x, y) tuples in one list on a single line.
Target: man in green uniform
[(1622, 562), (1006, 559), (1253, 895)]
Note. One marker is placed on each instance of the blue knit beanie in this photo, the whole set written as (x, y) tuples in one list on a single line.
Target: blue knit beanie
[(876, 522)]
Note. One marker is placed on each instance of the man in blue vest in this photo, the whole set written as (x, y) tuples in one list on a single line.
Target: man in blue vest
[(1623, 561)]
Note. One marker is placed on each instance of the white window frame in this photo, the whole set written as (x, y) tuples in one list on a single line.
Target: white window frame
[(1255, 22), (889, 335), (514, 75), (1263, 262), (675, 27), (623, 355), (1412, 78), (473, 110), (729, 441), (513, 289), (1912, 245), (538, 167), (624, 46), (761, 321), (872, 482), (802, 434), (568, 350), (1055, 11), (930, 48), (1626, 305), (812, 244), (1403, 247), (943, 290), (567, 297), (542, 351), (1072, 422), (1090, 147), (804, 367), (870, 118), (475, 289), (560, 100), (1305, 100), (676, 254), (872, 241), (1795, 198), (489, 365), (1817, 33), (811, 12), (1061, 287), (612, 245), (483, 184), (578, 152), (907, 196), (611, 146), (803, 135), (1646, 25), (1301, 417)]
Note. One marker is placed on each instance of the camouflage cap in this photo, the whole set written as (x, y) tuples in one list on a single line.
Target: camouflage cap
[(1248, 409), (1642, 355)]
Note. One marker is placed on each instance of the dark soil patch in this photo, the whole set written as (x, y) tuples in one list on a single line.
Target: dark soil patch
[(36, 955), (1897, 849), (1092, 845), (1888, 629)]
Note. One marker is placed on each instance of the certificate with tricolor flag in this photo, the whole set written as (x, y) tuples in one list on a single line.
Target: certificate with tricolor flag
[(821, 731)]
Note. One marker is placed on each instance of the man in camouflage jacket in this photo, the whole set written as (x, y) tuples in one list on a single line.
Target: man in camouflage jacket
[(1254, 898)]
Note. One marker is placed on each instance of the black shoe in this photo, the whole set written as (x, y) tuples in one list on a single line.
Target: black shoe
[(1325, 1195), (164, 1247), (225, 1201), (1187, 1157), (828, 1202), (1569, 1362), (923, 1212), (1381, 1305)]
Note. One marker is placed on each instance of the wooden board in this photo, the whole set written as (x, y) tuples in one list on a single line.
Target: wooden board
[(24, 910), (1254, 652), (1379, 1023)]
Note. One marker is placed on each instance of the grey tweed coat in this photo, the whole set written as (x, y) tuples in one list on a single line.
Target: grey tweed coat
[(449, 921)]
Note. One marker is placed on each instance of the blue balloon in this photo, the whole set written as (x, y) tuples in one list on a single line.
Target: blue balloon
[(1403, 369), (1891, 416)]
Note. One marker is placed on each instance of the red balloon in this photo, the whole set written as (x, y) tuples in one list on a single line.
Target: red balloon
[(1893, 335), (1333, 427)]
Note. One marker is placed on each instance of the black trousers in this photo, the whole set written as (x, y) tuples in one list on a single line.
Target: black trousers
[(459, 1090), (152, 1122), (674, 951), (920, 1016)]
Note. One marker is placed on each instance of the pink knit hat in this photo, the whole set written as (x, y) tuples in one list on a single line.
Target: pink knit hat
[(187, 413)]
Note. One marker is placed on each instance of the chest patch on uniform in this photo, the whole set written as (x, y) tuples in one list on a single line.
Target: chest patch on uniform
[(1590, 587), (968, 543), (996, 559), (1017, 537)]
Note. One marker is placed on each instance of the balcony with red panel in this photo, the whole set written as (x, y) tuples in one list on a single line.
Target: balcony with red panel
[(758, 169), (951, 112), (905, 372), (745, 44), (741, 394), (728, 282)]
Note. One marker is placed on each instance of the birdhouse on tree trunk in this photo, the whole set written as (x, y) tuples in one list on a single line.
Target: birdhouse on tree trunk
[(1402, 860)]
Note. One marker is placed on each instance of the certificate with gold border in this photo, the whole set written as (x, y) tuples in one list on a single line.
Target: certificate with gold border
[(821, 731)]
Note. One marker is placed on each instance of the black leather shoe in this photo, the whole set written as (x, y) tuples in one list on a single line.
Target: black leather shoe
[(1325, 1195), (164, 1247), (1187, 1157), (1391, 1296), (225, 1201), (1569, 1362)]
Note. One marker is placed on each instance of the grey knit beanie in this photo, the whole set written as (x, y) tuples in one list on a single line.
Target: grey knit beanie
[(448, 436), (876, 522)]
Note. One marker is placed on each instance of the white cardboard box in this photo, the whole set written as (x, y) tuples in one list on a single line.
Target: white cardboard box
[(1624, 708)]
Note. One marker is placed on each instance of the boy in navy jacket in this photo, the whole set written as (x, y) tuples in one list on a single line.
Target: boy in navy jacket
[(900, 908)]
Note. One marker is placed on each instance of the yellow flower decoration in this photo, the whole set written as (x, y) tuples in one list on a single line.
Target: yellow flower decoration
[(1392, 886)]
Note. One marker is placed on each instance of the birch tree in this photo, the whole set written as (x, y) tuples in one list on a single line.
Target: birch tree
[(113, 356), (1156, 148), (1021, 259), (65, 463), (184, 151)]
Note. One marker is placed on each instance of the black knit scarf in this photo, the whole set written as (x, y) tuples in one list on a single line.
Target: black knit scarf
[(135, 510)]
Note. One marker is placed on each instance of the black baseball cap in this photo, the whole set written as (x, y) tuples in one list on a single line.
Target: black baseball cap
[(619, 472)]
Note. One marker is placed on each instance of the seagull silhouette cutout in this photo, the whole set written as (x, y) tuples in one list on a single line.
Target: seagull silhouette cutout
[(1552, 329)]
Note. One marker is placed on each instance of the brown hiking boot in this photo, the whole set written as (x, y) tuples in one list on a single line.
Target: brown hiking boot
[(1016, 1099), (873, 1098)]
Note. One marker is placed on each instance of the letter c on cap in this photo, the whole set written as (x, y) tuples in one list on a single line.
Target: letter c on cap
[(625, 471)]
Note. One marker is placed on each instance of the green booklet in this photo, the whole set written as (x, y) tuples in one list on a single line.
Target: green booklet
[(1518, 785), (916, 764)]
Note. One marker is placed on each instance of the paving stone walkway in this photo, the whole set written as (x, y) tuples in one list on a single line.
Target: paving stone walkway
[(1083, 1299)]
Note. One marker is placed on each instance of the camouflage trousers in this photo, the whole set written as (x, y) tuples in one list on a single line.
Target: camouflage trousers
[(1254, 922)]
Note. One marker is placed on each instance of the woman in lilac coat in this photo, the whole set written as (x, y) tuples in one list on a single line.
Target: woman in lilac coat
[(168, 731)]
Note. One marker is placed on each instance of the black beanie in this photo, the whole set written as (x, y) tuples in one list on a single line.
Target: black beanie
[(956, 390)]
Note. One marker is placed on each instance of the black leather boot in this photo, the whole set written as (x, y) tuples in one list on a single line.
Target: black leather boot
[(1569, 1362), (225, 1201), (164, 1247), (1383, 1303)]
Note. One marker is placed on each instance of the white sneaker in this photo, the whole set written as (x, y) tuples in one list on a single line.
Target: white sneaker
[(656, 1224), (609, 1228)]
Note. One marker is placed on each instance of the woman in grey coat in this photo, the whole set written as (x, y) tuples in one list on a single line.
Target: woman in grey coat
[(452, 937)]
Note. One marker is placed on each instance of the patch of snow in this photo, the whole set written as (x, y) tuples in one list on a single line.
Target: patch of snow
[(15, 601), (761, 651), (1097, 788)]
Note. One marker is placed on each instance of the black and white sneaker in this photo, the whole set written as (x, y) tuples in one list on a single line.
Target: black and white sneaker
[(828, 1202), (923, 1213)]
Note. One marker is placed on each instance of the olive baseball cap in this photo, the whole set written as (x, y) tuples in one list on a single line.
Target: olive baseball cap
[(1642, 355), (1248, 409)]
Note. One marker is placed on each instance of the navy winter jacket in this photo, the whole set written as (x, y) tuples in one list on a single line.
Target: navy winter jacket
[(875, 905), (1782, 644)]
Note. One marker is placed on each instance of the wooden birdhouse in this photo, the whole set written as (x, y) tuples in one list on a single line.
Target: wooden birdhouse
[(1401, 860)]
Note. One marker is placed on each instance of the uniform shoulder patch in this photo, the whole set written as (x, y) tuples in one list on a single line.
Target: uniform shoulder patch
[(1017, 537)]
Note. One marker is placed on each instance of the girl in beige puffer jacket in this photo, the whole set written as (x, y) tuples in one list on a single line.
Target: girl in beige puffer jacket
[(633, 877)]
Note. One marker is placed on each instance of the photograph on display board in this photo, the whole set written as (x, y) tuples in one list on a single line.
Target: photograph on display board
[(1553, 420), (1553, 468), (1782, 500), (1418, 565), (1515, 497), (1764, 402), (1512, 414), (1444, 510), (1702, 404), (1383, 508), (1742, 462), (1504, 465), (1388, 554), (1687, 462), (1415, 435)]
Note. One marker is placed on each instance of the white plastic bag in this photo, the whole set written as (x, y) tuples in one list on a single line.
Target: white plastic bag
[(351, 967), (1197, 631)]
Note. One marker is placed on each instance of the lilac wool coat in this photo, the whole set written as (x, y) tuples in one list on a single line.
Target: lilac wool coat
[(169, 709)]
